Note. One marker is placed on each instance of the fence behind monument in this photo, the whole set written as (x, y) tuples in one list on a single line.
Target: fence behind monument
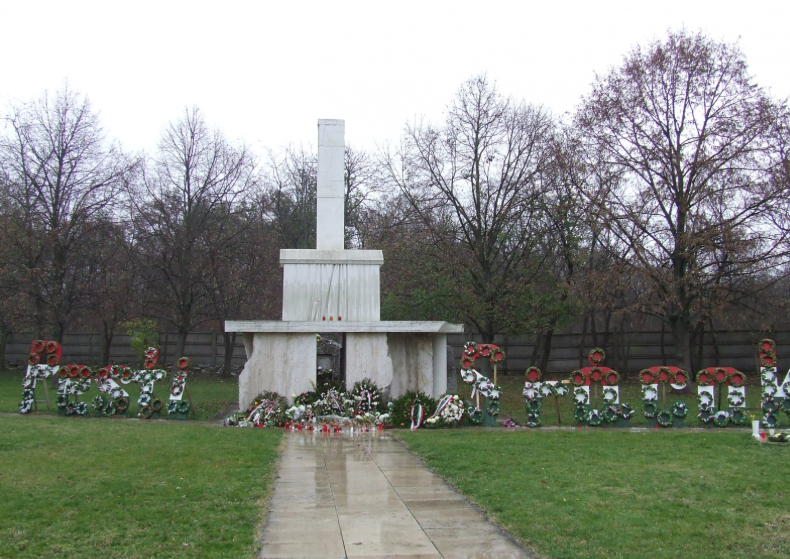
[(735, 348)]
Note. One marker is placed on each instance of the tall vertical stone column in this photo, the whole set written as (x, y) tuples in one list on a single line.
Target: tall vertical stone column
[(330, 230)]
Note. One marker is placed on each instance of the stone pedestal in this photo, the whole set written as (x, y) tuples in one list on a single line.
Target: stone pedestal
[(277, 362)]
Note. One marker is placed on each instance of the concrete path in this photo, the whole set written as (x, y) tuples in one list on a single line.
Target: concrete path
[(368, 496)]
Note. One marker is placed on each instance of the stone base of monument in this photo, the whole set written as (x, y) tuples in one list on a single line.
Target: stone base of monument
[(397, 356)]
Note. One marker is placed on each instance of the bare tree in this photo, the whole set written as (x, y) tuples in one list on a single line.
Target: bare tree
[(191, 186), (63, 177), (692, 139), (476, 185)]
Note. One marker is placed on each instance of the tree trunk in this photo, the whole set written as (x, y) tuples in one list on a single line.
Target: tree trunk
[(536, 347), (546, 351), (106, 344), (583, 340), (229, 339), (4, 332), (716, 354), (680, 330), (181, 343), (663, 343)]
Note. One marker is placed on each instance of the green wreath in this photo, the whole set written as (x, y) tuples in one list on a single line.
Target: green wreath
[(647, 377), (596, 360), (183, 406), (768, 375), (172, 406), (704, 377), (533, 420), (146, 412), (546, 390), (475, 415), (720, 375), (609, 396), (607, 378), (594, 418), (769, 390), (580, 415), (493, 407), (595, 374), (704, 401), (664, 418), (738, 417), (721, 418), (157, 405), (646, 389), (739, 375), (706, 416), (560, 389), (533, 371), (769, 405), (582, 378), (786, 404), (583, 393), (534, 405), (770, 420), (680, 409), (667, 371), (649, 409), (736, 399), (625, 411), (122, 404), (610, 414)]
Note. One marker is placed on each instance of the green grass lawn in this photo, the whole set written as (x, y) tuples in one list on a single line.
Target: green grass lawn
[(512, 402), (82, 487), (594, 493), (209, 394)]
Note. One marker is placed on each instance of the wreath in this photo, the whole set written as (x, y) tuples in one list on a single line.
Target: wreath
[(497, 356), (625, 411), (736, 398), (664, 418), (81, 408), (647, 377), (580, 414), (649, 394), (611, 378), (721, 418), (720, 374), (680, 409), (533, 405), (704, 377), (706, 415), (610, 414), (578, 378), (580, 397), (184, 363), (664, 375), (736, 378), (470, 349), (597, 355), (768, 375), (675, 377), (596, 374), (146, 412), (738, 417), (533, 374), (649, 409), (493, 406), (594, 418), (786, 403), (529, 392), (157, 405), (183, 406), (609, 396), (122, 404), (704, 401), (546, 390), (172, 406), (770, 420), (769, 405), (475, 415), (533, 420), (769, 390), (561, 390)]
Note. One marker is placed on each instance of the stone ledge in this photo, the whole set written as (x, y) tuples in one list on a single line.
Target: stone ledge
[(297, 327), (312, 256)]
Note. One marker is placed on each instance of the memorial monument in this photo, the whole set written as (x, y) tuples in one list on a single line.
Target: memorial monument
[(332, 290)]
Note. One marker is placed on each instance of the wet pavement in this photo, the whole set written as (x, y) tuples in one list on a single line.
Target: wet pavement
[(366, 495)]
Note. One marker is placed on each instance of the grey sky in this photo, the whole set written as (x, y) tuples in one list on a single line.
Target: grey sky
[(265, 71)]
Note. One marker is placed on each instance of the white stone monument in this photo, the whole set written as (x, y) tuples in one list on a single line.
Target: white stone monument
[(330, 290)]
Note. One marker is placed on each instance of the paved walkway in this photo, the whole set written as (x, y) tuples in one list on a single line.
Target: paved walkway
[(368, 496)]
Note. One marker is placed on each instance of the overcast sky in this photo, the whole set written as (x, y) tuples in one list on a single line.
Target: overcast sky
[(265, 71)]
